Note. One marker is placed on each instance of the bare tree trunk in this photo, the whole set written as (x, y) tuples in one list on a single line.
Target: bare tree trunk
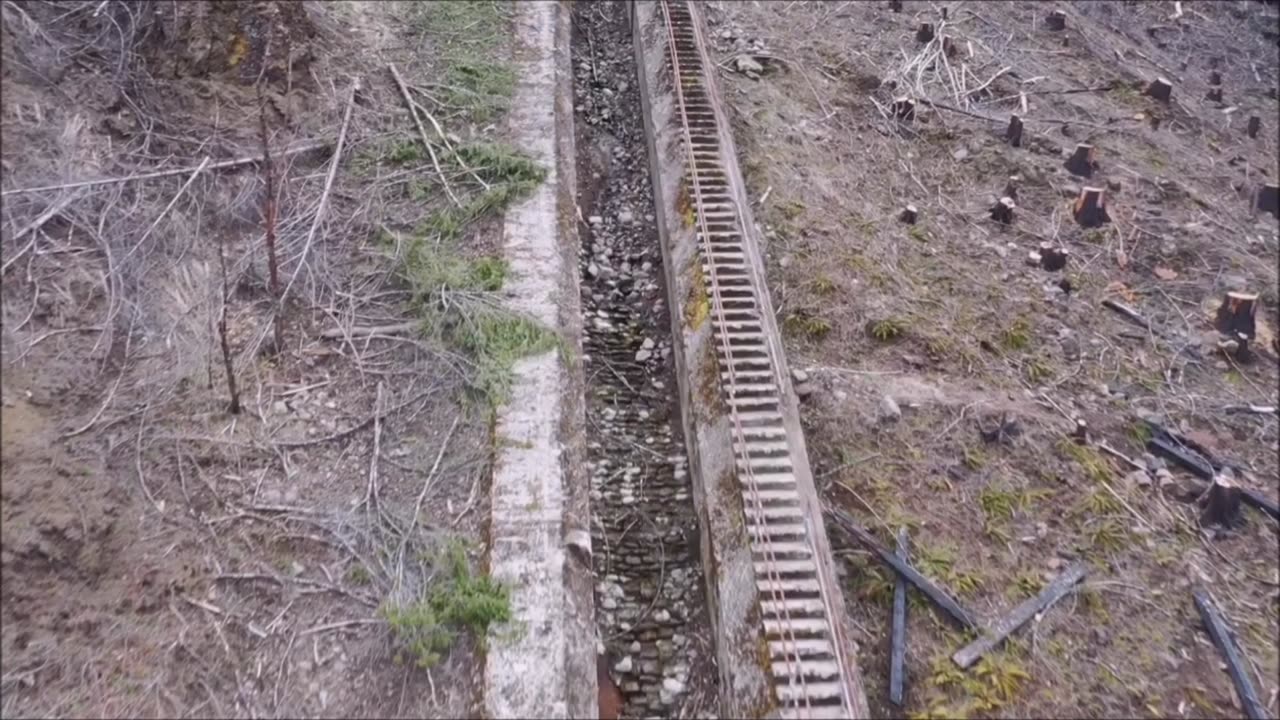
[(269, 219), (222, 334)]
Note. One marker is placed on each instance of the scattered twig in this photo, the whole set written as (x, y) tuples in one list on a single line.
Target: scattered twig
[(324, 196), (34, 225)]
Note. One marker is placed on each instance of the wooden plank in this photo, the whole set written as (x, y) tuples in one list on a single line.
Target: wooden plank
[(1224, 638), (898, 639), (966, 656), (937, 595)]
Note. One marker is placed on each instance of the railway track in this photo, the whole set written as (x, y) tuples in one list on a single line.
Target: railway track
[(810, 673)]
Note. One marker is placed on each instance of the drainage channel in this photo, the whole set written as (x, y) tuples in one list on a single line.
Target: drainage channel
[(651, 613)]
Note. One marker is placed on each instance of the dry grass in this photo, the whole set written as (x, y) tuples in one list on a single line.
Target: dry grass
[(268, 540)]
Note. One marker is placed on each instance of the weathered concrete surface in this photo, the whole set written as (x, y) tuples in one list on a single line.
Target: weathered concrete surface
[(543, 664)]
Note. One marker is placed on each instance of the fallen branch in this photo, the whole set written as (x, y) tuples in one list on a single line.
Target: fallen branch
[(324, 197), (966, 656), (937, 595), (220, 165), (1224, 638), (435, 162), (1201, 463)]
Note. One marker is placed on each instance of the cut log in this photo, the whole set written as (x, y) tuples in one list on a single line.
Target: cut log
[(1215, 78), (924, 33), (1052, 257), (909, 215), (1014, 133), (1223, 637), (1222, 503), (1128, 313), (1237, 315), (898, 635), (895, 5), (904, 108), (1255, 124), (1214, 95), (1268, 199), (1081, 161), (1160, 89), (1002, 211), (996, 634), (1091, 207), (1055, 21), (936, 595)]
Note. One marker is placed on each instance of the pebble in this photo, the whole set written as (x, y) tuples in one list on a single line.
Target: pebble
[(279, 407), (799, 375), (960, 154), (626, 217)]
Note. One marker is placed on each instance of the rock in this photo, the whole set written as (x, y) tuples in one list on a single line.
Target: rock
[(889, 410), (595, 220), (624, 665), (748, 66), (803, 390), (960, 154), (647, 344), (279, 407), (642, 355), (799, 375), (626, 217), (1137, 478), (672, 686)]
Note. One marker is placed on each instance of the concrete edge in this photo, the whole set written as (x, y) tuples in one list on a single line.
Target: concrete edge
[(739, 643), (542, 664)]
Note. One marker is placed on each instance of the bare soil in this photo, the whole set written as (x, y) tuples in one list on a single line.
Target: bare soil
[(161, 556), (947, 319)]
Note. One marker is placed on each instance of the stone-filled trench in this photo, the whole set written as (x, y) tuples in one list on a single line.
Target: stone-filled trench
[(651, 615)]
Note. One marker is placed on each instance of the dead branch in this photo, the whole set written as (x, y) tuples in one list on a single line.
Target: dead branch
[(1223, 638), (422, 131), (269, 220), (368, 330), (221, 165), (324, 196)]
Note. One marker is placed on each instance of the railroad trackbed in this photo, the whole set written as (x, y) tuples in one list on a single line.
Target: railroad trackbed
[(704, 513)]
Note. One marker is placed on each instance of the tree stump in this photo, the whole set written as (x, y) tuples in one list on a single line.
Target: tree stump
[(1255, 124), (1055, 21), (1215, 78), (948, 46), (1221, 503), (1053, 258), (924, 33), (1214, 95), (1002, 211), (1091, 207), (909, 215), (1081, 161), (1014, 133), (1011, 187), (1081, 432), (1160, 89), (1237, 315), (904, 108), (1269, 199)]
